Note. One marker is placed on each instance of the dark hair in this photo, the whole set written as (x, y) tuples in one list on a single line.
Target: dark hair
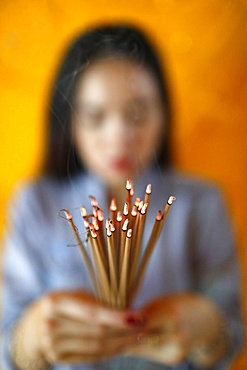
[(112, 40)]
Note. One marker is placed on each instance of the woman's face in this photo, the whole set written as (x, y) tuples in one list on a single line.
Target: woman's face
[(118, 119)]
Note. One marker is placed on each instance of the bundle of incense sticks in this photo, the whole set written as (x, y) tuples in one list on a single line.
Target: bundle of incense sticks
[(112, 252)]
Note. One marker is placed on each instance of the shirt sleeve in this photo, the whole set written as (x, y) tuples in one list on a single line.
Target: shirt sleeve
[(23, 279), (215, 262)]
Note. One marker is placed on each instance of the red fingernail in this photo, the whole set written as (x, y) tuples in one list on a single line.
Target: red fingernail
[(135, 321)]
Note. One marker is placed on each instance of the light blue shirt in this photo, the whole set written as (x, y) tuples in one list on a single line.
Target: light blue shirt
[(195, 251)]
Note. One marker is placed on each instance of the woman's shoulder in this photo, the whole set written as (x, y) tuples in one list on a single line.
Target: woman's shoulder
[(47, 184), (28, 189), (42, 192), (196, 185)]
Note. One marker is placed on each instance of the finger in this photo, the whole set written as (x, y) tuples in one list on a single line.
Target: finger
[(70, 328), (75, 308), (156, 346), (86, 349)]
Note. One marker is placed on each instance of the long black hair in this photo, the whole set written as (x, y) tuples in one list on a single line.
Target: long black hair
[(61, 159)]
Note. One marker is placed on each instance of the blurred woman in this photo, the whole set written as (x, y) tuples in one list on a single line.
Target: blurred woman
[(109, 120)]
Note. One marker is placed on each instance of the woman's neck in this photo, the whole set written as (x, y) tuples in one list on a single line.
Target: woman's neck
[(119, 194)]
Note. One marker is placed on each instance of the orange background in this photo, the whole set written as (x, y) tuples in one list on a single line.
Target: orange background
[(205, 44)]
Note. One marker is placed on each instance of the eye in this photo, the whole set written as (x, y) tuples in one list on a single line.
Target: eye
[(93, 119), (136, 114), (90, 117)]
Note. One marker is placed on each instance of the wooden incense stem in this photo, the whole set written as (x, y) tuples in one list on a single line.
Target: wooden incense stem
[(169, 202), (96, 226), (157, 228), (113, 209), (100, 233), (129, 193), (123, 286), (118, 239), (148, 193), (137, 243), (147, 254), (122, 244), (112, 267), (133, 217), (82, 249), (125, 211), (102, 273)]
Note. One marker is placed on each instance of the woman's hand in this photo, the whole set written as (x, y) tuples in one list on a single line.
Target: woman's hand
[(182, 326), (72, 327)]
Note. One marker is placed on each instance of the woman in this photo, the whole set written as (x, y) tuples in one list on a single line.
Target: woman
[(109, 120)]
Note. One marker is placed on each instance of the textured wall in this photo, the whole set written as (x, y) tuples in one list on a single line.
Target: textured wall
[(205, 43)]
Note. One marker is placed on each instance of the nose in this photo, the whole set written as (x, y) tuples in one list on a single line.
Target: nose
[(119, 132)]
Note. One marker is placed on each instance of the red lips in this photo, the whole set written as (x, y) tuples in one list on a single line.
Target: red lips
[(121, 165)]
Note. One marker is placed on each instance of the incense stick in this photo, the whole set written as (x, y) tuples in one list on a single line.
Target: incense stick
[(138, 242), (117, 267), (148, 193), (113, 209), (122, 244), (129, 193), (124, 271), (82, 248), (112, 267), (147, 254)]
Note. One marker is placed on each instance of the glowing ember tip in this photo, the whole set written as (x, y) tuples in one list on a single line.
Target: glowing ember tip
[(144, 208), (113, 206), (95, 224), (107, 223), (68, 215), (108, 233), (129, 233), (112, 227), (159, 215), (126, 209), (128, 184), (171, 199), (83, 212), (149, 189), (137, 202), (94, 202), (134, 211), (125, 225), (140, 205), (100, 215), (93, 233), (119, 216)]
